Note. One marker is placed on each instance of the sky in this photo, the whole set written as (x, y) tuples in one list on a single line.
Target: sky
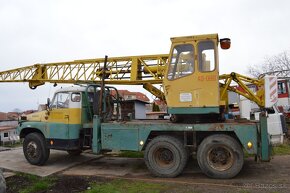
[(34, 31)]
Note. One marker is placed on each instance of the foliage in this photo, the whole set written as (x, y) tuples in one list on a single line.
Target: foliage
[(13, 145), (37, 183), (283, 149), (122, 186), (279, 64), (155, 108)]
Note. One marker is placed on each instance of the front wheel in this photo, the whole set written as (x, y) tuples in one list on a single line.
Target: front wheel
[(165, 156), (34, 149), (220, 156)]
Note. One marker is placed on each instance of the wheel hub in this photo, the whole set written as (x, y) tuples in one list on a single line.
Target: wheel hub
[(32, 149), (220, 158), (164, 157)]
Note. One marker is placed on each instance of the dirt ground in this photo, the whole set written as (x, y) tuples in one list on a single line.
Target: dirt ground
[(261, 177)]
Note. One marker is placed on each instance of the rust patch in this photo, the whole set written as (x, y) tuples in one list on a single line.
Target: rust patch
[(216, 127)]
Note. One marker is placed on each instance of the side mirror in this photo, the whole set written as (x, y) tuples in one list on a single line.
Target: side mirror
[(48, 104), (225, 43)]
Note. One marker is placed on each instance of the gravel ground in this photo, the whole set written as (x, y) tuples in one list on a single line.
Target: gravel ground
[(260, 177)]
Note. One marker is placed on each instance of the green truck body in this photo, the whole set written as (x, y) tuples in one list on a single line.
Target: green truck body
[(101, 135)]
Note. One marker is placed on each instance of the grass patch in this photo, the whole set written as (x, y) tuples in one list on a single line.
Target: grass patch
[(283, 149), (247, 155), (12, 145), (123, 186), (37, 183), (131, 154)]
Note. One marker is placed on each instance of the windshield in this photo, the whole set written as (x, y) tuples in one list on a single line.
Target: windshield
[(182, 61), (61, 100)]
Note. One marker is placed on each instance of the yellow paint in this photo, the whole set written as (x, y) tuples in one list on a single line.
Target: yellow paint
[(120, 70), (242, 81), (153, 90), (193, 38), (65, 115), (38, 116), (199, 89)]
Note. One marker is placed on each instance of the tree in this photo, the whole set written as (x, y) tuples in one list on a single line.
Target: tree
[(155, 108), (278, 64)]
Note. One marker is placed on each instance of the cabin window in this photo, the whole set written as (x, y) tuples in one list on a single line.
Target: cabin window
[(206, 56), (61, 100), (182, 61), (76, 97)]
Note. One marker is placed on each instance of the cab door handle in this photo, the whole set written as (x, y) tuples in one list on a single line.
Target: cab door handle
[(166, 89)]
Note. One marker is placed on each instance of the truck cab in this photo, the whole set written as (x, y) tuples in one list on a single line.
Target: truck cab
[(66, 124)]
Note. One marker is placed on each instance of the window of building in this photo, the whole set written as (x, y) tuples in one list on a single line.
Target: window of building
[(281, 88), (182, 61), (206, 56), (5, 134)]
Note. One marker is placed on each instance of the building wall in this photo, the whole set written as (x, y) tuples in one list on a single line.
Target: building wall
[(9, 123), (140, 110), (233, 97), (8, 131), (8, 136)]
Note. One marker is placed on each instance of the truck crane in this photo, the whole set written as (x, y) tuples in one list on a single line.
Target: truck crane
[(87, 116)]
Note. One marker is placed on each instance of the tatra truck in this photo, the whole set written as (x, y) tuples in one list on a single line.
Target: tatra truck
[(88, 114)]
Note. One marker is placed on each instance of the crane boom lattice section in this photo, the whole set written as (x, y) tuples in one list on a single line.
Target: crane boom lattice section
[(241, 87), (132, 70)]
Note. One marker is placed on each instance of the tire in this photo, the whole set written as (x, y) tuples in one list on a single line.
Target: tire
[(220, 156), (165, 156), (35, 150), (74, 152)]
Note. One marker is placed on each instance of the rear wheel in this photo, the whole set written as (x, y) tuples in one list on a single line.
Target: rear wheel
[(165, 156), (34, 149), (220, 156)]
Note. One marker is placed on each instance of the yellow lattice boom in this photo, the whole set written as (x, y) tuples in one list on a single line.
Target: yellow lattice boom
[(130, 70), (143, 70), (242, 81)]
